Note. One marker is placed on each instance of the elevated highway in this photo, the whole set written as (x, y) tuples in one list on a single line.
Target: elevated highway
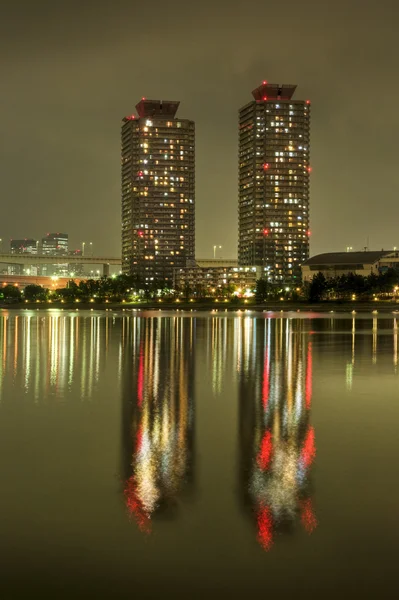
[(49, 259)]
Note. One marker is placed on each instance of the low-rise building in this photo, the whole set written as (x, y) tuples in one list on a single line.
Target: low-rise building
[(334, 264), (207, 277)]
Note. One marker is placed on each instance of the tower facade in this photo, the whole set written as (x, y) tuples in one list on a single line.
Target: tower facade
[(158, 192), (274, 173)]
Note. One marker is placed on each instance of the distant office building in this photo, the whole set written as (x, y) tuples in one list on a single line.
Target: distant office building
[(74, 267), (26, 246), (55, 243), (158, 191), (334, 264), (274, 172)]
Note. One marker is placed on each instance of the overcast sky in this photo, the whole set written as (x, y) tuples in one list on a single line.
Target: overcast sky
[(70, 70)]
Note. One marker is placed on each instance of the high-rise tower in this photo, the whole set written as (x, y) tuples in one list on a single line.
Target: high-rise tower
[(158, 191), (274, 172)]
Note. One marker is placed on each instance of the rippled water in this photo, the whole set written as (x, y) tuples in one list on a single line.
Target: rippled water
[(198, 455)]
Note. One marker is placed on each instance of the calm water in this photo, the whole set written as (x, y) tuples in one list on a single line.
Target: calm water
[(198, 455)]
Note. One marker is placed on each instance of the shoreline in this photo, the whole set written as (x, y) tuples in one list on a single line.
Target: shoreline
[(197, 306)]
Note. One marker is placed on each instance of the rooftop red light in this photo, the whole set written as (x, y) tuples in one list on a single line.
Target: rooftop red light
[(266, 166)]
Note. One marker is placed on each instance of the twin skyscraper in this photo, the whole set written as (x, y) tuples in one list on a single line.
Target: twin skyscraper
[(158, 187)]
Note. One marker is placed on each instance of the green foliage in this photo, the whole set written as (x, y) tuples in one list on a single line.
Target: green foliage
[(345, 287), (11, 292), (34, 292), (261, 292), (317, 288)]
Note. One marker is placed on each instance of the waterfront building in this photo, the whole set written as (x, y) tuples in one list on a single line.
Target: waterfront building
[(210, 279), (158, 191), (334, 264), (274, 173)]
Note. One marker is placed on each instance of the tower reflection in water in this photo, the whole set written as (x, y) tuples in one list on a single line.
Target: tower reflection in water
[(277, 441), (158, 402)]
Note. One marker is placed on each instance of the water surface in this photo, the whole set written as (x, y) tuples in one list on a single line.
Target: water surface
[(194, 454)]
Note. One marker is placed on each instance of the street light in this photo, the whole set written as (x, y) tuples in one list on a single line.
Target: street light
[(83, 248), (214, 250), (91, 248)]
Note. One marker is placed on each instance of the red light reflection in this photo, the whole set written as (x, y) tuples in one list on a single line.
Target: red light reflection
[(265, 527), (308, 384), (308, 517), (265, 452), (135, 506), (309, 448), (140, 378)]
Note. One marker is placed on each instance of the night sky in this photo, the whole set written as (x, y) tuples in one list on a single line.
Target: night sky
[(70, 70)]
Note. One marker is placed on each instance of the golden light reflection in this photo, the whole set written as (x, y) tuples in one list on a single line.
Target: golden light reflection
[(46, 355), (162, 372), (277, 439)]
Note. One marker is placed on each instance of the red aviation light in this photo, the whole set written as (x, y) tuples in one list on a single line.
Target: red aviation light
[(309, 169), (265, 232), (265, 98), (264, 82), (307, 101), (266, 166), (140, 174), (140, 233), (308, 233), (130, 117)]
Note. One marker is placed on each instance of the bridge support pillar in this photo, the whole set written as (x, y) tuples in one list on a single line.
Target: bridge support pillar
[(106, 269)]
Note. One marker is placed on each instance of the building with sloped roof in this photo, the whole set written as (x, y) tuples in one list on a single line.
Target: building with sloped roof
[(334, 264)]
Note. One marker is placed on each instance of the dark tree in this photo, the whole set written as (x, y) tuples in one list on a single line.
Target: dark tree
[(317, 287), (11, 292), (35, 292), (261, 291)]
